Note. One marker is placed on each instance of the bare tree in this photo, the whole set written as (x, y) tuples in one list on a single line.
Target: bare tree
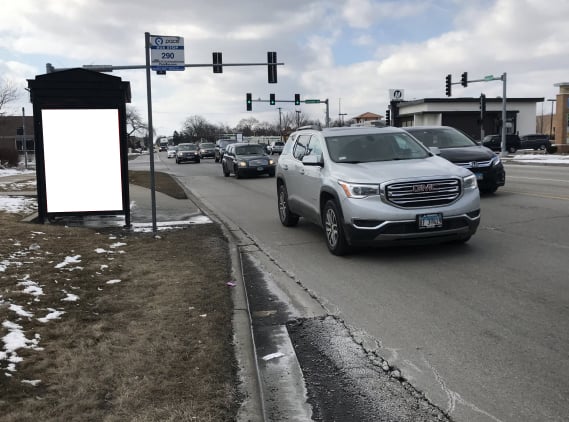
[(134, 123), (8, 93)]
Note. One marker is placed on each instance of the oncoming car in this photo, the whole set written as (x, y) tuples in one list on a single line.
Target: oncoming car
[(367, 185), (459, 149), (172, 152), (244, 159), (207, 149), (187, 152)]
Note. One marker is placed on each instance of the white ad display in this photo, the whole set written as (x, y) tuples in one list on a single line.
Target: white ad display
[(82, 160)]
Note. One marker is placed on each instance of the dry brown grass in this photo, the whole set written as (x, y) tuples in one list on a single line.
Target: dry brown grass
[(155, 347)]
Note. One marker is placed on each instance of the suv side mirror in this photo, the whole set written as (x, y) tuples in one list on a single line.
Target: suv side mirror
[(435, 150), (313, 160)]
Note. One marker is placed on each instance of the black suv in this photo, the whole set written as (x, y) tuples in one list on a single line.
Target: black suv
[(536, 141), (494, 142), (459, 149), (220, 146)]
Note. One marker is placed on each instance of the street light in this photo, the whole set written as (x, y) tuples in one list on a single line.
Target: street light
[(551, 118)]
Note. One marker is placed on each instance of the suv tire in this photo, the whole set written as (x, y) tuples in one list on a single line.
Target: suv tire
[(287, 218), (334, 230), (512, 149)]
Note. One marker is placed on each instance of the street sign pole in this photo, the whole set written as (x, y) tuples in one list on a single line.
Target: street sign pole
[(150, 132)]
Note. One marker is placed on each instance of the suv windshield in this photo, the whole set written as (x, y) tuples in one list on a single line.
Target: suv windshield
[(223, 144), (250, 150), (442, 138), (186, 147), (374, 147)]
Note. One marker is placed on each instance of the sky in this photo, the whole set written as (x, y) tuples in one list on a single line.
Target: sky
[(351, 52)]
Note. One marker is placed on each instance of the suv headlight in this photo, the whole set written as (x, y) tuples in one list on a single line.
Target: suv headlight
[(469, 182), (496, 160), (242, 163), (358, 190)]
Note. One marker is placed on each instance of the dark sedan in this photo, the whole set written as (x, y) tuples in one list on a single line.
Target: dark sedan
[(244, 159), (187, 152), (459, 149)]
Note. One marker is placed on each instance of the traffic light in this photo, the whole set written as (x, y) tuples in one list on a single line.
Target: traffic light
[(388, 117), (217, 63), (272, 66), (296, 99), (249, 102), (272, 99), (448, 85), (464, 79), (482, 105)]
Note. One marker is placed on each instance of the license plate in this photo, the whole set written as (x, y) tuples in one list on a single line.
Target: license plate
[(479, 176), (430, 221)]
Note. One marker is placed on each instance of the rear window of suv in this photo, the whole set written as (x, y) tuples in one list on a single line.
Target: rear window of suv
[(374, 147)]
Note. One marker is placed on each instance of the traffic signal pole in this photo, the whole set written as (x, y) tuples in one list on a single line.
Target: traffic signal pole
[(464, 82), (296, 101)]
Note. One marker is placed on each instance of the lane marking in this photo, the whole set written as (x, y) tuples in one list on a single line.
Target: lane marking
[(562, 198), (538, 178)]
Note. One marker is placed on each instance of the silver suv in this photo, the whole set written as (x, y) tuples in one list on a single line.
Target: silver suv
[(374, 185)]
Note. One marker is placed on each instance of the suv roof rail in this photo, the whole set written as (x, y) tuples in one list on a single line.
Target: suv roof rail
[(309, 127)]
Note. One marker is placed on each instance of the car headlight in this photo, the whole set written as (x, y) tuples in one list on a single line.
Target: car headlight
[(242, 164), (271, 162), (496, 160), (469, 182), (358, 191)]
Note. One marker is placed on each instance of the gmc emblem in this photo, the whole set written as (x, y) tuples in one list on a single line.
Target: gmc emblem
[(422, 188)]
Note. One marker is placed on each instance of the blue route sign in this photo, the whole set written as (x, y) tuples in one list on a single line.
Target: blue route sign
[(166, 53)]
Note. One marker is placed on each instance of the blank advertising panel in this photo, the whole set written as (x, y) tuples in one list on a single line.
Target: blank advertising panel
[(82, 160)]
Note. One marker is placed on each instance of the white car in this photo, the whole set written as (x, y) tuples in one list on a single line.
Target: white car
[(172, 152)]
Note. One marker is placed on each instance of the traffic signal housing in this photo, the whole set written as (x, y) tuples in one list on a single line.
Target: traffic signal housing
[(482, 105), (296, 99), (249, 101), (388, 117), (464, 79), (272, 66), (448, 89), (217, 63), (272, 99)]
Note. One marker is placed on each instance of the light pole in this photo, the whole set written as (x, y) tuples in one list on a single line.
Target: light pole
[(551, 118), (297, 118)]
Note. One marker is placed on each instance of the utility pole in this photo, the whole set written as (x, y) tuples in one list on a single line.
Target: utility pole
[(280, 123), (24, 142), (551, 118), (297, 118)]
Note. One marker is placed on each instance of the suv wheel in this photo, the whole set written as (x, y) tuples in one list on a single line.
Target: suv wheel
[(286, 216), (512, 149), (225, 171), (334, 230)]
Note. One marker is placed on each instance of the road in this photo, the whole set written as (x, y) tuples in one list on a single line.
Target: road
[(482, 329)]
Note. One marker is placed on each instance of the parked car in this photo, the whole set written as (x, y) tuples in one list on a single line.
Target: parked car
[(220, 146), (187, 152), (244, 159), (494, 142), (207, 150), (535, 142), (275, 147), (459, 149), (172, 152), (368, 185)]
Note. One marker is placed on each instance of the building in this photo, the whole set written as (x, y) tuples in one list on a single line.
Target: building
[(366, 117), (464, 114), (13, 129)]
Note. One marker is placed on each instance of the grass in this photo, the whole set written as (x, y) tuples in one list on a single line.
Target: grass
[(156, 346)]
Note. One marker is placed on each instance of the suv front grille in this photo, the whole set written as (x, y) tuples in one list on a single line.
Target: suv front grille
[(424, 193)]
